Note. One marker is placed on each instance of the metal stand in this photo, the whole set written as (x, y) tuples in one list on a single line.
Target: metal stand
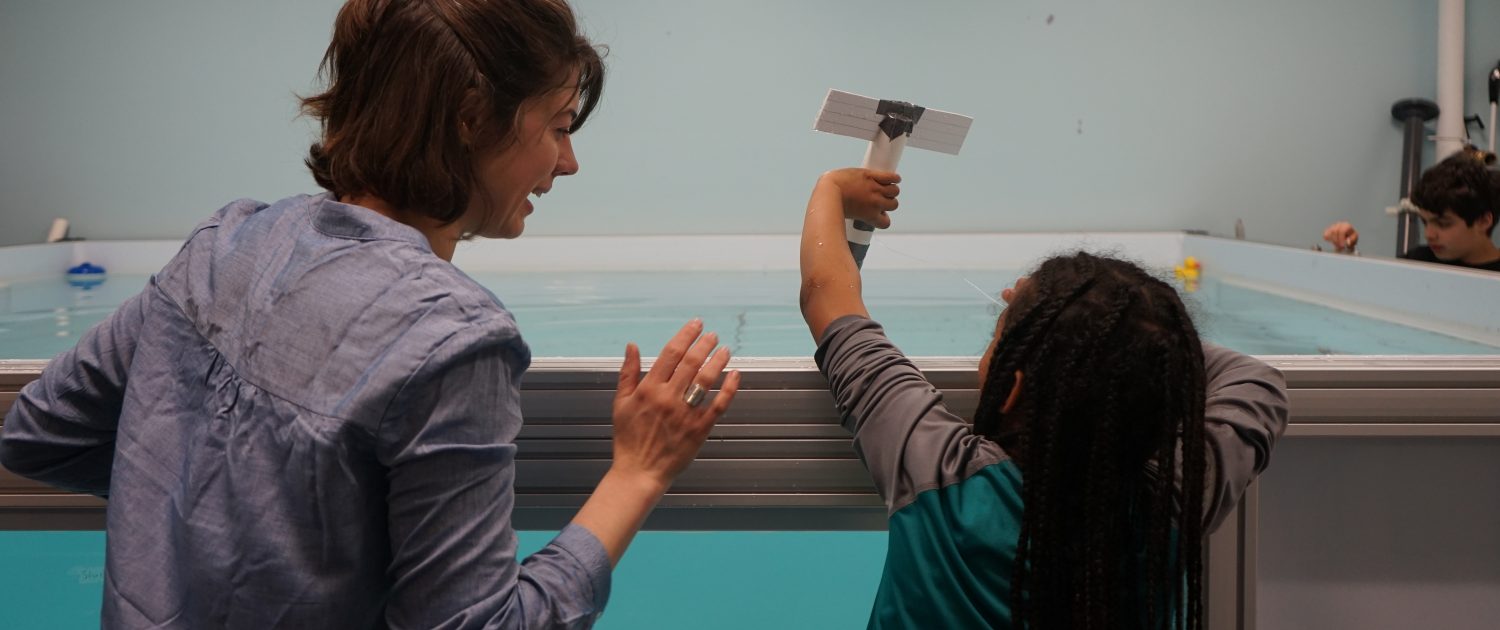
[(1414, 114)]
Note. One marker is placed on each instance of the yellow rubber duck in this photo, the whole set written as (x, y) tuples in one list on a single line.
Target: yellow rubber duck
[(1189, 269)]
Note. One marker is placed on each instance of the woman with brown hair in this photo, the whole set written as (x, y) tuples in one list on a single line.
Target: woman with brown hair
[(307, 418)]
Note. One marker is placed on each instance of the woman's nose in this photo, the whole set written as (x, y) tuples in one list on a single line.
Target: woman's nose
[(567, 161)]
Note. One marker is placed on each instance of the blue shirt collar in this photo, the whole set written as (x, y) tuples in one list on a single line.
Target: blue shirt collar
[(342, 220)]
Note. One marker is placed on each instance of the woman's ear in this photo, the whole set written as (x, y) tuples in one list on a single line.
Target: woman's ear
[(470, 111), (1015, 394)]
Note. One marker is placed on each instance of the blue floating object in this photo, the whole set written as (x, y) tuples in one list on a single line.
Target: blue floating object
[(86, 276)]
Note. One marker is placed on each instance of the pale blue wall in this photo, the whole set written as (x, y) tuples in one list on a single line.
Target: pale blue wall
[(136, 119)]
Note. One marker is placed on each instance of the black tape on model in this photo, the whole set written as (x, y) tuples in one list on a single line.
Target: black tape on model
[(900, 117)]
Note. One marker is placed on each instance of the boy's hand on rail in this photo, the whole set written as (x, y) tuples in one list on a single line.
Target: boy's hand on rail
[(657, 433), (868, 195), (1342, 236)]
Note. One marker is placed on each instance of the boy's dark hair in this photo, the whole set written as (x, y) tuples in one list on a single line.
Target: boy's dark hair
[(1111, 406), (405, 76), (1462, 184)]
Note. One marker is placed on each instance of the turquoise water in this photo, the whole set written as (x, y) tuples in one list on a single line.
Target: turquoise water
[(927, 313), (730, 580), (668, 580)]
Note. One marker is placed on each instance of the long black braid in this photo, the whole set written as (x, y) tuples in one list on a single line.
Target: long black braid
[(1108, 435)]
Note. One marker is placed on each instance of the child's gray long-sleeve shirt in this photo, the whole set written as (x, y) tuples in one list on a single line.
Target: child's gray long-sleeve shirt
[(954, 497)]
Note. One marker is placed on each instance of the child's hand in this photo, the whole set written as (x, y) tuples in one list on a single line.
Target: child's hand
[(1342, 235), (867, 195)]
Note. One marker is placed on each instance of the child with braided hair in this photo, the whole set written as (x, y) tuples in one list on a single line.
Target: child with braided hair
[(1107, 443)]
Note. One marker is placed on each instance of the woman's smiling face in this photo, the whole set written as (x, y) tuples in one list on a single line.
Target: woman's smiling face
[(540, 150)]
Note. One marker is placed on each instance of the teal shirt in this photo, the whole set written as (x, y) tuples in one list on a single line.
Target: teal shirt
[(954, 497), (951, 554)]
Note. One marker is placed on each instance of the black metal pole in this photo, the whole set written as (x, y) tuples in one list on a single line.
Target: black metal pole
[(1413, 114)]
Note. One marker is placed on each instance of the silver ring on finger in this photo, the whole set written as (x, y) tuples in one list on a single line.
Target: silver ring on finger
[(694, 395)]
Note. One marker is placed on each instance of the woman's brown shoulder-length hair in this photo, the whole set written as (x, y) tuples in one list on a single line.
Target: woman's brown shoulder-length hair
[(403, 77)]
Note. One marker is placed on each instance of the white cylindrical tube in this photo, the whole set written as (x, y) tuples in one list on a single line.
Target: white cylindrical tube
[(1450, 78), (882, 155), (1491, 145)]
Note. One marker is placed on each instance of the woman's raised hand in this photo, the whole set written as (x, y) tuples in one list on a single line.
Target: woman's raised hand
[(660, 423)]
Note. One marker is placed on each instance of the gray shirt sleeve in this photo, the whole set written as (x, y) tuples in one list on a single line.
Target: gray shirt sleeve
[(910, 442), (61, 430), (1245, 411), (903, 432), (451, 472)]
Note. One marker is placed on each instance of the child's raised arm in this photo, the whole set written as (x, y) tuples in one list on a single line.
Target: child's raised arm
[(830, 279)]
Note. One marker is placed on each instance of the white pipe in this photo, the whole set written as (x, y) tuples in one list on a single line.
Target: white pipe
[(1492, 85), (1450, 78), (1491, 144)]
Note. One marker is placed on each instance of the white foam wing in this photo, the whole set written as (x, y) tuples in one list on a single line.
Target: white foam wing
[(853, 115)]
